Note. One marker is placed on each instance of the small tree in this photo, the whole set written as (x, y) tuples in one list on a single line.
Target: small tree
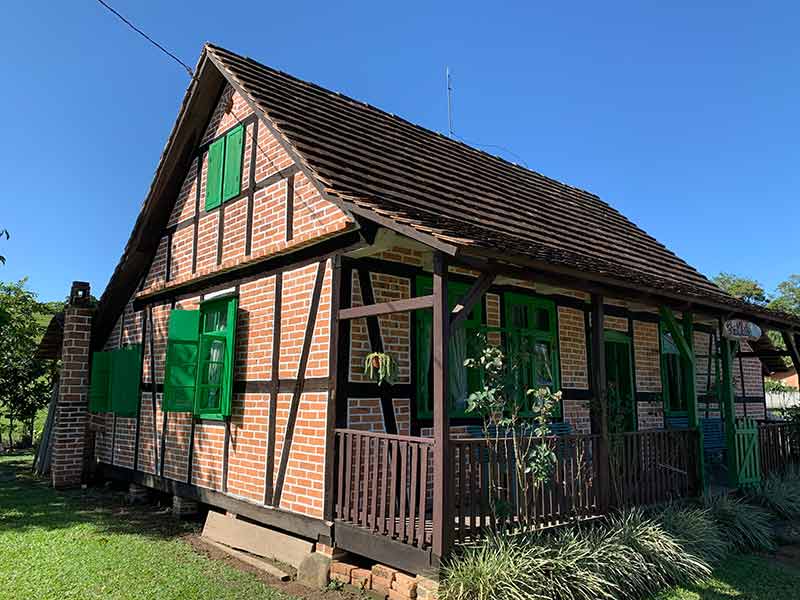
[(512, 413)]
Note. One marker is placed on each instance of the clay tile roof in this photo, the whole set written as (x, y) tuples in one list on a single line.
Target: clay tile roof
[(447, 189)]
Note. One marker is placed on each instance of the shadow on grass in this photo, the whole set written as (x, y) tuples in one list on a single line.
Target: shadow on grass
[(30, 503)]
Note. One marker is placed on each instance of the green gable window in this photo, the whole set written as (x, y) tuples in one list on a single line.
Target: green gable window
[(463, 344), (115, 381), (200, 356), (531, 341), (224, 179)]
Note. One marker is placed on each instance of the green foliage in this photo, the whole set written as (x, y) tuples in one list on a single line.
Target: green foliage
[(629, 556), (780, 495), (380, 367), (25, 381), (743, 288), (667, 562), (776, 386), (510, 411), (787, 297), (744, 526), (695, 529)]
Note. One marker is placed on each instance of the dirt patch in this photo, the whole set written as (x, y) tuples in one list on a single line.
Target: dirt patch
[(291, 588)]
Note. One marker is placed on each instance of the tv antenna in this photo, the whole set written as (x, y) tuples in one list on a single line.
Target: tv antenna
[(449, 81)]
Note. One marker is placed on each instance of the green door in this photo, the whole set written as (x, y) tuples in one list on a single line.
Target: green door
[(619, 378)]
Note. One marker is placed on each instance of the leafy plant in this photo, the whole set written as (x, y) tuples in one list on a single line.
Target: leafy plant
[(380, 367), (695, 529), (744, 526), (667, 562), (512, 414), (780, 495)]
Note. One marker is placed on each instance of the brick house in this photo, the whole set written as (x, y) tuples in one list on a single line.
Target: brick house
[(289, 232)]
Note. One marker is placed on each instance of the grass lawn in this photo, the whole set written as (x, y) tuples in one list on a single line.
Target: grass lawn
[(88, 544), (745, 578)]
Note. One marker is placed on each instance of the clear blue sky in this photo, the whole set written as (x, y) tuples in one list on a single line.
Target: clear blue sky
[(681, 116)]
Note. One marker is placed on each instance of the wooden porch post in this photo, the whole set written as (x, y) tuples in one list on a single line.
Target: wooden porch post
[(599, 384), (727, 396), (690, 391), (442, 471)]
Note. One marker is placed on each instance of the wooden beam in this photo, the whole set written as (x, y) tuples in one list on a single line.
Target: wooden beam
[(599, 385), (269, 467), (677, 333), (727, 398), (763, 354), (689, 368), (386, 308), (473, 296), (791, 347), (442, 471), (333, 378)]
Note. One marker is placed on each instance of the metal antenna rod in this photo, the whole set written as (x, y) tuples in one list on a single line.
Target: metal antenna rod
[(449, 103)]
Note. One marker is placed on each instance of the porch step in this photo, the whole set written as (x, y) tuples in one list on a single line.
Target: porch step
[(256, 539)]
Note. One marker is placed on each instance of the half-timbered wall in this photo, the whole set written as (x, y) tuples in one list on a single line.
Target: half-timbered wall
[(272, 449)]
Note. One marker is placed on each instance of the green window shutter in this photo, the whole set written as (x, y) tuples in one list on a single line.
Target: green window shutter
[(216, 159), (181, 368), (126, 373), (99, 398), (234, 146), (216, 361)]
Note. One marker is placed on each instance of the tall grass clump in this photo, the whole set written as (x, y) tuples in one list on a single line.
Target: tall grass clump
[(549, 567), (780, 495), (666, 561), (745, 527), (695, 529)]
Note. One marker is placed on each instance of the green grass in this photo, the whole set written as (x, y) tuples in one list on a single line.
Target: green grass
[(744, 578), (88, 544)]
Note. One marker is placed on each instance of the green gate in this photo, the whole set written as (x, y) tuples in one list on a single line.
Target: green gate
[(748, 465)]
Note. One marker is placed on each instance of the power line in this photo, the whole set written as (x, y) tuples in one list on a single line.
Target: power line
[(188, 69)]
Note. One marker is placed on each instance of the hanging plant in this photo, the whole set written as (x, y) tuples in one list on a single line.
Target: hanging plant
[(380, 367)]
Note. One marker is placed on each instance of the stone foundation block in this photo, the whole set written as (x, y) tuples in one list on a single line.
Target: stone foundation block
[(184, 507)]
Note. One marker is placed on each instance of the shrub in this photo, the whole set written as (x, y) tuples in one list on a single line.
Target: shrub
[(550, 567), (744, 526), (667, 562), (695, 529), (781, 495)]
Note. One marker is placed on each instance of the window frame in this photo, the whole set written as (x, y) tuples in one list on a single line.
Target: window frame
[(225, 164), (663, 330)]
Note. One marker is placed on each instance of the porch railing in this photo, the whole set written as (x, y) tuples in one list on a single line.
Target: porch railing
[(384, 483), (779, 447)]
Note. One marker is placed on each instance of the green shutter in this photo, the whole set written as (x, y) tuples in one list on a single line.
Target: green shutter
[(126, 373), (181, 368), (234, 146), (99, 400), (217, 354), (216, 159)]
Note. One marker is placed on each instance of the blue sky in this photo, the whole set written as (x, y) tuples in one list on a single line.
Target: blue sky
[(681, 116)]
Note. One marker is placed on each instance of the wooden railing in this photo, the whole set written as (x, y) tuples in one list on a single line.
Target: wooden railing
[(480, 467), (779, 446), (650, 467), (384, 484)]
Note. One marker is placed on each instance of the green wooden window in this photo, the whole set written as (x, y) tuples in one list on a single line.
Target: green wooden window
[(462, 381), (619, 382), (672, 375), (115, 381), (531, 340), (100, 386), (180, 375), (225, 168), (200, 357), (126, 373)]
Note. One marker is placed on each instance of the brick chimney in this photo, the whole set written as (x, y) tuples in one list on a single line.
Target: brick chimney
[(72, 411)]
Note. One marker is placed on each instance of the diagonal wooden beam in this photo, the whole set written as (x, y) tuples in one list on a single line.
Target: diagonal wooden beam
[(472, 297), (298, 390), (677, 334), (791, 346)]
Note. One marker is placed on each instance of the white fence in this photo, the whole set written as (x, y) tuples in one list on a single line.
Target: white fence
[(779, 401)]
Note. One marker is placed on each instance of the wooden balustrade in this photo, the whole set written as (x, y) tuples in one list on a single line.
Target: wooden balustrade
[(779, 447), (650, 467), (384, 484)]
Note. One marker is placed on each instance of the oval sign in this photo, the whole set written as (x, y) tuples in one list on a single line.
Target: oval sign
[(739, 329)]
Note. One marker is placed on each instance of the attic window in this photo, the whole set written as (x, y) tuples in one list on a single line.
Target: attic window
[(225, 168)]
